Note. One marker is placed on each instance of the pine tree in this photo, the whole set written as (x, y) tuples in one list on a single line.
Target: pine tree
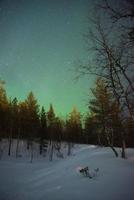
[(23, 118), (51, 121), (4, 107), (13, 121), (32, 120), (43, 123), (73, 129), (75, 125), (43, 131), (91, 133), (104, 107)]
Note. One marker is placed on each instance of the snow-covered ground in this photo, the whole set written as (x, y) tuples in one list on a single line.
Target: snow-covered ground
[(60, 179)]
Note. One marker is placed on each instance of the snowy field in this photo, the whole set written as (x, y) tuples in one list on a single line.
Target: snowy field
[(60, 179)]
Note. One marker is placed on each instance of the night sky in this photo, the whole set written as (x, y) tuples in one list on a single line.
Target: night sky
[(39, 42)]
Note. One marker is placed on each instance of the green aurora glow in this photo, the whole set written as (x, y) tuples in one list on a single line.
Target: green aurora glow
[(39, 42)]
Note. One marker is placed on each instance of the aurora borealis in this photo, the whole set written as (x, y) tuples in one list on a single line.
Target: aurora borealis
[(39, 42)]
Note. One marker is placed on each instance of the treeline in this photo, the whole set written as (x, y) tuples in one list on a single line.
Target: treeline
[(103, 125), (26, 120)]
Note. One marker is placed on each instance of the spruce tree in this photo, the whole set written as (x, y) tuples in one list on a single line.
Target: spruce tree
[(43, 131), (32, 120), (104, 107)]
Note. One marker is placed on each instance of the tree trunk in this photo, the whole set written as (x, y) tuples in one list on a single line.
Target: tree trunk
[(99, 140), (51, 152), (69, 148), (114, 150), (17, 146), (1, 150), (123, 153), (40, 147), (31, 152), (111, 145), (28, 144), (10, 142)]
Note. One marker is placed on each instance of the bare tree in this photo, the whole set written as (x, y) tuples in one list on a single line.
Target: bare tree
[(113, 60)]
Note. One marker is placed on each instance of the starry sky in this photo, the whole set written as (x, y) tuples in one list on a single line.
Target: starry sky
[(40, 40)]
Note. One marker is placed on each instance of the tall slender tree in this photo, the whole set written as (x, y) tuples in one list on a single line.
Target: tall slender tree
[(51, 135), (73, 128), (4, 107), (32, 120), (104, 108), (43, 129), (13, 121)]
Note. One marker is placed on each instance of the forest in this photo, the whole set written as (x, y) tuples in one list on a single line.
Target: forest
[(100, 126)]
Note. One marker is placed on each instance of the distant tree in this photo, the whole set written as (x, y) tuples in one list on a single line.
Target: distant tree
[(32, 115), (91, 130), (58, 135), (23, 116), (58, 127), (76, 125), (43, 122), (13, 121), (32, 120), (43, 129), (19, 128), (4, 107), (51, 122), (73, 128)]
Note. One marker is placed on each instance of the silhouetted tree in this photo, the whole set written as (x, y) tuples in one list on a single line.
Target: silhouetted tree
[(43, 130), (91, 130), (13, 121), (32, 121), (73, 128), (104, 108), (4, 107), (51, 121), (23, 115)]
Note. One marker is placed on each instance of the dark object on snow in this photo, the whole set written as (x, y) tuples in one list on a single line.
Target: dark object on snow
[(91, 174), (85, 172)]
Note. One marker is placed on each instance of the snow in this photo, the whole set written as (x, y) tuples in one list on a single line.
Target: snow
[(61, 180)]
